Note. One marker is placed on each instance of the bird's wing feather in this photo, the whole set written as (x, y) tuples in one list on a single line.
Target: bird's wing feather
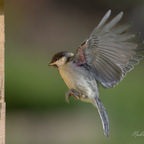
[(109, 52)]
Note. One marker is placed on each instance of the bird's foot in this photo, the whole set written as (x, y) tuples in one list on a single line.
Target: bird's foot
[(71, 92)]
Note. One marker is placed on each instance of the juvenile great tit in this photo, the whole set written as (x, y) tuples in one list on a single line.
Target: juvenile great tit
[(105, 57)]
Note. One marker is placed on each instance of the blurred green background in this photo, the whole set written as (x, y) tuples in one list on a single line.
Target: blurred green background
[(35, 93)]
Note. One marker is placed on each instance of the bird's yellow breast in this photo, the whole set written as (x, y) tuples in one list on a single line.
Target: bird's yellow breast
[(67, 75)]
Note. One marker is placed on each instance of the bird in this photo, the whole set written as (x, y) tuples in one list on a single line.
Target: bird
[(104, 58)]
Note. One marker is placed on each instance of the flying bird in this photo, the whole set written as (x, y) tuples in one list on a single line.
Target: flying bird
[(105, 57)]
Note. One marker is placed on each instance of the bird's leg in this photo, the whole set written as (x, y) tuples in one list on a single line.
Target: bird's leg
[(72, 92)]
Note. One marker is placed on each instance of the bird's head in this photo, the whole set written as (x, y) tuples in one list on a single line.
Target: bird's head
[(60, 58)]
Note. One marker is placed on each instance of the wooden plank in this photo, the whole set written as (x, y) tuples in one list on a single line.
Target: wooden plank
[(2, 123), (2, 61)]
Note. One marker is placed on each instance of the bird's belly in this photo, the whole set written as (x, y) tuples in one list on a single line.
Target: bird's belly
[(68, 79), (80, 82)]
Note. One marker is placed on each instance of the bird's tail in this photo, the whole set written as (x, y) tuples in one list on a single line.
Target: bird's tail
[(103, 115)]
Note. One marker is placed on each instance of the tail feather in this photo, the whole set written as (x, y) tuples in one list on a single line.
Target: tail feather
[(103, 115)]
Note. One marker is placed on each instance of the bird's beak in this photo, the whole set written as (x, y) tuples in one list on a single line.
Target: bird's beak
[(51, 64)]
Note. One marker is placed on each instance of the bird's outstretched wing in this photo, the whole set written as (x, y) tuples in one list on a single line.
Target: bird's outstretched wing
[(110, 51)]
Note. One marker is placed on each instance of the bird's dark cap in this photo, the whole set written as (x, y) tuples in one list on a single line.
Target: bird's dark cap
[(59, 55)]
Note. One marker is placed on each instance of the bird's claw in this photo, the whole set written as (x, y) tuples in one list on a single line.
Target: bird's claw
[(71, 92)]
